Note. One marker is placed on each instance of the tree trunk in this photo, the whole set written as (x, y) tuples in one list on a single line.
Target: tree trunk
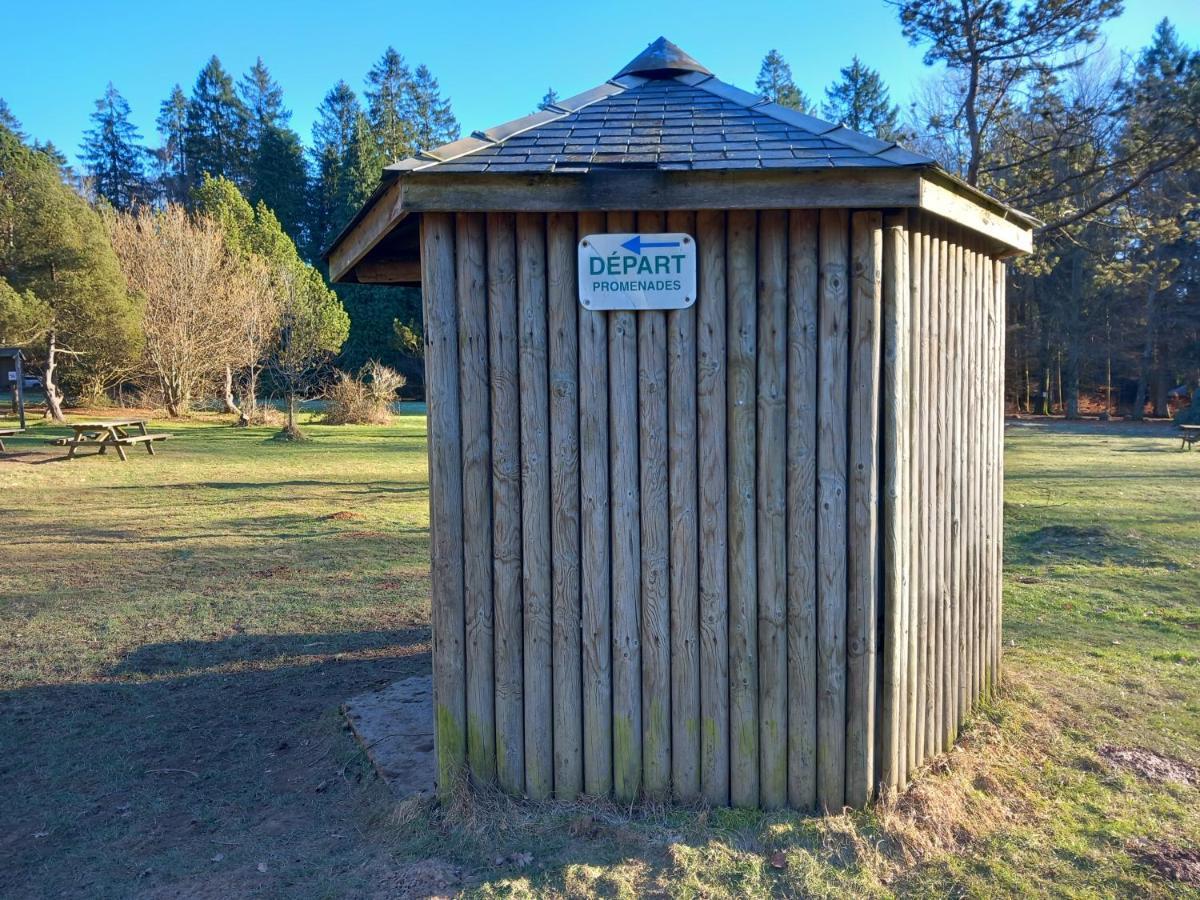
[(1162, 382), (1147, 367), (230, 404), (1068, 380), (54, 397)]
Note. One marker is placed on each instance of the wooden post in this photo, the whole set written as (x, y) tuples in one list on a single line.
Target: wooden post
[(594, 538), (998, 512), (743, 588), (626, 545), (961, 306), (925, 433), (863, 495), (831, 511), (535, 505), (916, 538), (713, 550), (927, 639), (561, 283), (445, 498), (771, 523), (947, 406), (897, 290), (503, 333), (685, 602), (656, 539), (803, 288), (951, 406), (470, 253)]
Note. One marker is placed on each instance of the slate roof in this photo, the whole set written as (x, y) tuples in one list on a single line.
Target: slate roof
[(664, 111)]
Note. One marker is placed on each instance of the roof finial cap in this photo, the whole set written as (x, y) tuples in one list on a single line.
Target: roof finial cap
[(662, 59)]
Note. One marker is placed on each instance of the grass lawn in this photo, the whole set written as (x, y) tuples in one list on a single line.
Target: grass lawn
[(176, 634)]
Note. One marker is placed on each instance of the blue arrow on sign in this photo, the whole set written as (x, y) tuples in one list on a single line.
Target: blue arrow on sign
[(635, 244)]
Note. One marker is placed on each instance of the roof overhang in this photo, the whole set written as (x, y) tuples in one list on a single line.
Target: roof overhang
[(380, 244)]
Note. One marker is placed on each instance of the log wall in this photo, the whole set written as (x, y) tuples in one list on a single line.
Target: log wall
[(747, 552)]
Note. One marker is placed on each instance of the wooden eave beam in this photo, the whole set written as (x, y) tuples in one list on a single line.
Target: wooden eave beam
[(944, 198), (651, 189), (384, 214), (388, 271)]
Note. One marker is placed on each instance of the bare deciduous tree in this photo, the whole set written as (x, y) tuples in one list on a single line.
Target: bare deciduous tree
[(196, 294)]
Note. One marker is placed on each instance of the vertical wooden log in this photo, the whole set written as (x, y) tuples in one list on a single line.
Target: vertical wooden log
[(771, 522), (971, 301), (936, 424), (594, 540), (946, 736), (535, 505), (803, 287), (656, 540), (960, 627), (685, 600), (997, 510), (743, 572), (508, 628), (916, 545), (986, 343), (626, 544), (831, 510), (897, 290), (866, 250), (445, 498), (561, 292), (710, 430), (928, 411), (471, 282), (962, 462), (981, 311)]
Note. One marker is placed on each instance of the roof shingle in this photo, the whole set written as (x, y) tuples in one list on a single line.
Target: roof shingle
[(663, 111)]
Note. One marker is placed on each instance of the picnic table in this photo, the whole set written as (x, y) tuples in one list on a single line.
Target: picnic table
[(1190, 435), (8, 432), (111, 433)]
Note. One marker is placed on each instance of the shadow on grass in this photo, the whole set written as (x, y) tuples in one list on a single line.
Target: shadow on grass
[(204, 780)]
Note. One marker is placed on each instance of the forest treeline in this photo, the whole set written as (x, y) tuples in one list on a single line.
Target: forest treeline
[(1022, 101)]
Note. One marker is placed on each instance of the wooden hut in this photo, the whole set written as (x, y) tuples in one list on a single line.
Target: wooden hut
[(746, 549)]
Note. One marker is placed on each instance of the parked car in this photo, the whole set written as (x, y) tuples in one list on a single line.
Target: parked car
[(31, 382)]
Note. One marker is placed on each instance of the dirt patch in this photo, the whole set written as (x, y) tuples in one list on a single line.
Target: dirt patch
[(342, 516), (272, 572), (427, 878), (362, 534), (1150, 765), (1173, 863)]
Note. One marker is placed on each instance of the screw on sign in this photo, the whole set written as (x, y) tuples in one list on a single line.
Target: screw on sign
[(637, 271)]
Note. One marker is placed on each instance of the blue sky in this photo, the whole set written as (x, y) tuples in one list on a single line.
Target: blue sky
[(494, 60)]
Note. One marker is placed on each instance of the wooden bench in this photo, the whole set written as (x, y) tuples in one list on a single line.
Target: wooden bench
[(130, 440), (1189, 435), (8, 432)]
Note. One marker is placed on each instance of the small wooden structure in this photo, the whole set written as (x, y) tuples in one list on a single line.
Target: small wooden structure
[(747, 551)]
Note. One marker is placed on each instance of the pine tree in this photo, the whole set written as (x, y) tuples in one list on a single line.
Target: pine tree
[(170, 159), (333, 132), (217, 128), (776, 84), (387, 94), (9, 120), (263, 99), (860, 102), (112, 153), (428, 113), (361, 165), (275, 172)]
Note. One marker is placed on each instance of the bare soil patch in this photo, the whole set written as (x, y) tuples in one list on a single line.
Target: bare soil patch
[(1150, 765), (341, 516), (1173, 863)]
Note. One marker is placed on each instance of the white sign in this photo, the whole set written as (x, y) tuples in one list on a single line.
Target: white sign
[(637, 271)]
